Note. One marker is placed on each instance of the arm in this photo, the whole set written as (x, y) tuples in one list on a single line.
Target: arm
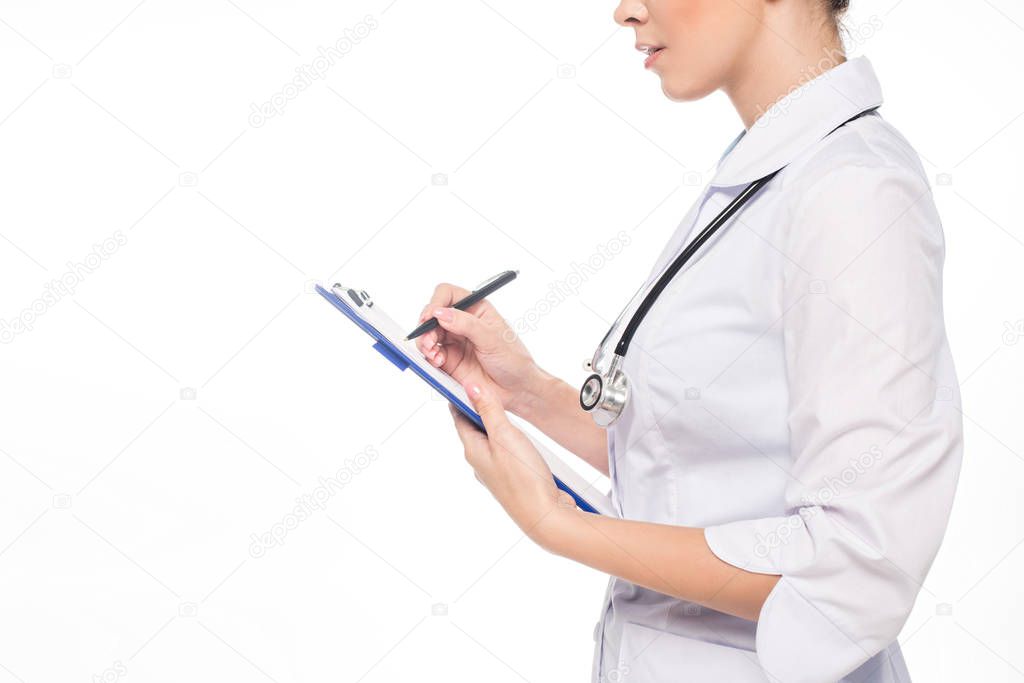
[(553, 407), (673, 560), (875, 429), (669, 559)]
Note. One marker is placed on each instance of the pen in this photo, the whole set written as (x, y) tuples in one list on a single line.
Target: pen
[(487, 287)]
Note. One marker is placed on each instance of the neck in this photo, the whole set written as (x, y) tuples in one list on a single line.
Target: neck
[(782, 59)]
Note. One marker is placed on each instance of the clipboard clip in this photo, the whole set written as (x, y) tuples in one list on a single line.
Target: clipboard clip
[(362, 298), (359, 297)]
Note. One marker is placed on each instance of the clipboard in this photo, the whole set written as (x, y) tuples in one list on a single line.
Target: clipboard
[(389, 341)]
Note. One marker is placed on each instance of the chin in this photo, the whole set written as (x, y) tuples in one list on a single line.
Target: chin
[(679, 90)]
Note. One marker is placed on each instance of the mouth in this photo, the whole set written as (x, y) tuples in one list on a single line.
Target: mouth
[(649, 48), (652, 52)]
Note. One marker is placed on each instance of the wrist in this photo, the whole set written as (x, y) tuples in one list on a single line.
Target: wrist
[(555, 529), (538, 393)]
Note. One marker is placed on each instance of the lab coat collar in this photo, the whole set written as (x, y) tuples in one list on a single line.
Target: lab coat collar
[(799, 120)]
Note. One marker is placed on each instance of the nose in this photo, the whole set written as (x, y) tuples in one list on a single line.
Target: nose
[(631, 13)]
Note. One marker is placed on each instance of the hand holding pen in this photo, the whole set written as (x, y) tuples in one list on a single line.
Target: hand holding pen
[(471, 341), (487, 287)]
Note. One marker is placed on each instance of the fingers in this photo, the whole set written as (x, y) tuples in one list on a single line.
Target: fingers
[(469, 433), (440, 349), (467, 429), (427, 342), (462, 423), (483, 335), (445, 294), (491, 411)]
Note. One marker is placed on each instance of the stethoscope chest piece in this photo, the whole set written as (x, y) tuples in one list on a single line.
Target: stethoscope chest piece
[(604, 396)]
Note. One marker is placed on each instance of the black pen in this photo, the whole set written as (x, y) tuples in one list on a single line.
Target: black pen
[(485, 288)]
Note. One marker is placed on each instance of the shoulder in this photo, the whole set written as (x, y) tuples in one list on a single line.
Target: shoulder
[(864, 173), (859, 185), (856, 160)]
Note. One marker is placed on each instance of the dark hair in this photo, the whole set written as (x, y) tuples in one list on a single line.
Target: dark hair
[(837, 7), (835, 12)]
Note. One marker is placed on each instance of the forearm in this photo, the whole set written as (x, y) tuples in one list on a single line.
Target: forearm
[(553, 407), (672, 560)]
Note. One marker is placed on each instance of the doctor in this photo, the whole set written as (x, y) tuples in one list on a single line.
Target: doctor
[(786, 450)]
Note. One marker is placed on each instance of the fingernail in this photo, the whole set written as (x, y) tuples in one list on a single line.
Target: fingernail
[(474, 391), (444, 314)]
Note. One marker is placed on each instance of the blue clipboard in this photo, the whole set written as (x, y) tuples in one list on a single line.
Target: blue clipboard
[(399, 359)]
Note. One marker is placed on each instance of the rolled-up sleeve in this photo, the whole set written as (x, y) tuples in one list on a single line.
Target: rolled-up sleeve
[(874, 421)]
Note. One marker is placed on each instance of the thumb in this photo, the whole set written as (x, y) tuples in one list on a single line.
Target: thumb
[(490, 409), (468, 325)]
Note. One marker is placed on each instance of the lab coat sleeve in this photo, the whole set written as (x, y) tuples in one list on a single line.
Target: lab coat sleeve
[(874, 421)]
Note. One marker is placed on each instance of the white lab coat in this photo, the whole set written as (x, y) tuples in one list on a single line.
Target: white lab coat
[(793, 394)]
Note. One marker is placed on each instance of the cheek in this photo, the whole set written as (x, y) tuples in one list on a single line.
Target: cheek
[(706, 38), (692, 72)]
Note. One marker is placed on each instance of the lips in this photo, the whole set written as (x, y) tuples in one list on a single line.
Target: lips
[(649, 48), (652, 55)]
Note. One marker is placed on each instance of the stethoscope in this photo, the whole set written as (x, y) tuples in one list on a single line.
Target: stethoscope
[(604, 393)]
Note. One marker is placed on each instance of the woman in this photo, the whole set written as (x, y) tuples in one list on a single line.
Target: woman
[(785, 464)]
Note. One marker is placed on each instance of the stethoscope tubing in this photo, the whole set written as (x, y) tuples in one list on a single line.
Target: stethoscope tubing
[(707, 233), (605, 392)]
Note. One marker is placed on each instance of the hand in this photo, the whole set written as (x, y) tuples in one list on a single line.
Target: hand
[(477, 345), (507, 463)]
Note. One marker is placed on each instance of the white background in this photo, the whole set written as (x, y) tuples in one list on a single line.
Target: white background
[(127, 507)]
